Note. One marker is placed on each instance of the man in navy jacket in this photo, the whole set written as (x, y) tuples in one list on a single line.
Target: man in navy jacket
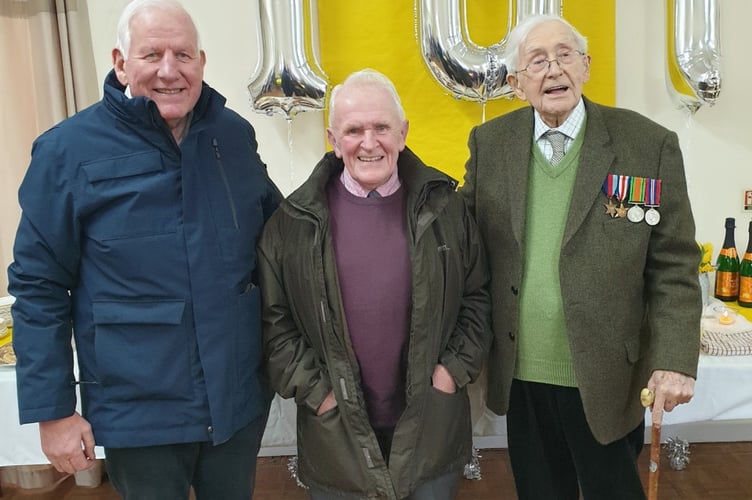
[(138, 235)]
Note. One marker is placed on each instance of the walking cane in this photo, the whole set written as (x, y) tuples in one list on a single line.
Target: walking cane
[(646, 398)]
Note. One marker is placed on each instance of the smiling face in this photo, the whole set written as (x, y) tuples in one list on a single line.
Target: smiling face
[(164, 62), (554, 92), (367, 133)]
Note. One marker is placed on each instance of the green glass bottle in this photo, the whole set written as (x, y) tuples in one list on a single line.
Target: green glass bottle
[(727, 267), (745, 274)]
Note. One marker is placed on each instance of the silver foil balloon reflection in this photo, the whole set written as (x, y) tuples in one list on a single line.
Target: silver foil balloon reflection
[(285, 81), (694, 58), (465, 69), (678, 453)]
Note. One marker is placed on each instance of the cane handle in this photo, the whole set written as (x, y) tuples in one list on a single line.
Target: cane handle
[(647, 397)]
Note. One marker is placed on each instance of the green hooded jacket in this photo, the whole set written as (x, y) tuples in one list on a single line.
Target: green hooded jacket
[(308, 346)]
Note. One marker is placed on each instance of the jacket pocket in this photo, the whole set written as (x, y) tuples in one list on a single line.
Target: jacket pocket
[(327, 454), (445, 433), (142, 350), (120, 167), (130, 196)]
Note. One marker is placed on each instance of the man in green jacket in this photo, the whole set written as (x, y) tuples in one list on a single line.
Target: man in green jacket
[(595, 290), (376, 312)]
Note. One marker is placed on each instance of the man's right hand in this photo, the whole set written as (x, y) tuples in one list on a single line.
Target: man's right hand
[(68, 443)]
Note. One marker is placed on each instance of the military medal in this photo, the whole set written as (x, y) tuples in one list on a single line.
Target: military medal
[(637, 197), (652, 200), (609, 188), (610, 208), (621, 194)]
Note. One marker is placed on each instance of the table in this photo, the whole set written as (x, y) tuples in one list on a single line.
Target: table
[(723, 395), (723, 391), (721, 409)]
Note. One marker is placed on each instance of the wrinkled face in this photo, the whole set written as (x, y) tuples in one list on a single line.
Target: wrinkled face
[(164, 62), (367, 133), (555, 91)]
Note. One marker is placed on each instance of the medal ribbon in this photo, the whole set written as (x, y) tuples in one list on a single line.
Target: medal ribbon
[(623, 187), (637, 190), (609, 185), (653, 193)]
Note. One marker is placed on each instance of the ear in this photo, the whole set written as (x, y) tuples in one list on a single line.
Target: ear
[(586, 76), (514, 82), (403, 134), (202, 56), (118, 63), (333, 141)]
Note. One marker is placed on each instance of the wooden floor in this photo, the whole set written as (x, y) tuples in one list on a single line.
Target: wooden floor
[(721, 471)]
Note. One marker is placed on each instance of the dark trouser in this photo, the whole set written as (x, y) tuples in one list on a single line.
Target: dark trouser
[(226, 471), (442, 488), (554, 454)]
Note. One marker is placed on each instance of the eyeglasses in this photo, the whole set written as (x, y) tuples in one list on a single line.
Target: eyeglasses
[(540, 65)]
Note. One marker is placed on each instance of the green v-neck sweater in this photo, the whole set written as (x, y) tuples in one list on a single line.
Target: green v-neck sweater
[(543, 350)]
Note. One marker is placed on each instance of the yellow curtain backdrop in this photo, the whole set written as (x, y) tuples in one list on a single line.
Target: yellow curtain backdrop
[(382, 35)]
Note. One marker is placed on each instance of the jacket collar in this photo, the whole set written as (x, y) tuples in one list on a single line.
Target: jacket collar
[(417, 180), (143, 112)]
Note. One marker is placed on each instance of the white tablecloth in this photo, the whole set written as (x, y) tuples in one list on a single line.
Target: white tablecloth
[(723, 393), (19, 444)]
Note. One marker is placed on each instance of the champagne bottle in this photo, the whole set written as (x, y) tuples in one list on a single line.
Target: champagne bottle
[(727, 267), (745, 274)]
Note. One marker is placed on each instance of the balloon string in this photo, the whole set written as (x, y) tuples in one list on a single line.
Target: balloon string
[(483, 112), (289, 145), (690, 115)]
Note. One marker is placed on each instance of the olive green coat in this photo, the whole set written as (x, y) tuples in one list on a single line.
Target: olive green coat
[(308, 345)]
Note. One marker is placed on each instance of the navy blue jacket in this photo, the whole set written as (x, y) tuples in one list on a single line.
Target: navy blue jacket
[(145, 250)]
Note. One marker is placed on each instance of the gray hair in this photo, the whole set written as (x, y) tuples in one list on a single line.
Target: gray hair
[(519, 35), (123, 42), (366, 77)]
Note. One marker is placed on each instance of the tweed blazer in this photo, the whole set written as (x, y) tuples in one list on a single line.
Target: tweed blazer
[(630, 290)]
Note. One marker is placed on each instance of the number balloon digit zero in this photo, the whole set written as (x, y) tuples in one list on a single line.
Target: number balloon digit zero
[(468, 71)]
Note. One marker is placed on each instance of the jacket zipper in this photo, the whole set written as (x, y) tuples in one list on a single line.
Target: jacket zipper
[(221, 168)]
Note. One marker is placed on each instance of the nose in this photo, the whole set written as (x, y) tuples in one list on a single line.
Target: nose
[(551, 68), (168, 66), (369, 138)]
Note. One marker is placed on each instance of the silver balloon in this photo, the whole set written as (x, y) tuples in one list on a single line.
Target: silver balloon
[(694, 75), (285, 81), (465, 69)]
